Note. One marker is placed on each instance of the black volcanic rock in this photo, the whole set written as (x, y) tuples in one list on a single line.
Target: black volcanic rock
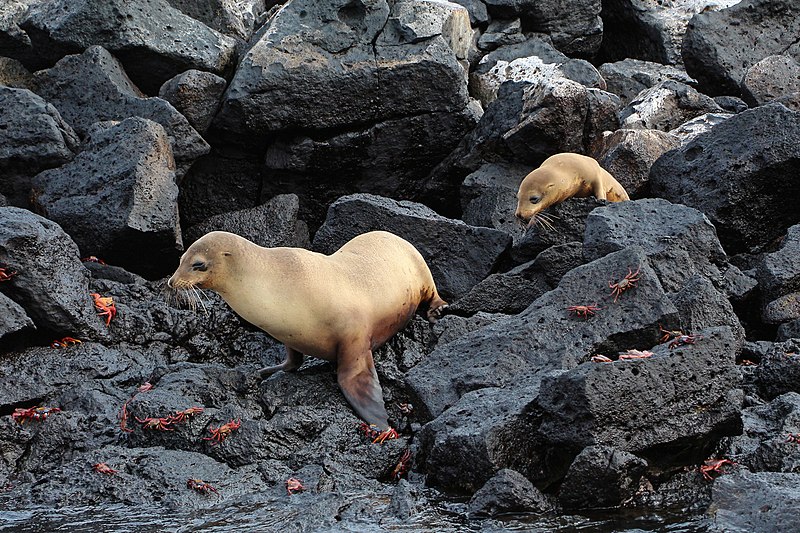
[(118, 197), (747, 185), (779, 370), (771, 78), (196, 95), (507, 492), (719, 46), (33, 137), (152, 39), (50, 282), (666, 106), (601, 476), (93, 87)]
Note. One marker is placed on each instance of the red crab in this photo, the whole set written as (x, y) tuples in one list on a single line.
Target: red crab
[(33, 413), (103, 468), (159, 424), (583, 310), (714, 465), (200, 486), (683, 340), (93, 259), (5, 274), (180, 416), (600, 358), (635, 354), (630, 280), (105, 307), (378, 436), (65, 342), (221, 433), (793, 438), (123, 418), (402, 466), (294, 485), (669, 333)]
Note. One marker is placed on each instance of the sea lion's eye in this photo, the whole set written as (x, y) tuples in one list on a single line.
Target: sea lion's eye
[(535, 199), (199, 265)]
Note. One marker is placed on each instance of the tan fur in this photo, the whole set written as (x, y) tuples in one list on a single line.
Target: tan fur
[(564, 176), (337, 307)]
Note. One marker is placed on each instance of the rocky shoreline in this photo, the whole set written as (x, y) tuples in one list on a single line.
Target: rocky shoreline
[(128, 129)]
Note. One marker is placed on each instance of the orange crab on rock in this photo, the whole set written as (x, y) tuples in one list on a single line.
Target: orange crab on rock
[(33, 413), (159, 424), (221, 433), (201, 486), (629, 281), (105, 307), (6, 275), (65, 342), (715, 466), (584, 311), (103, 468), (294, 485)]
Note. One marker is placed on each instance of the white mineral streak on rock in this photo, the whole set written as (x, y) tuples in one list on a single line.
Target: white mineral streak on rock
[(525, 69)]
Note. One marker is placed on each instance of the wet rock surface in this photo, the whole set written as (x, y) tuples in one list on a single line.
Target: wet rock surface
[(611, 360)]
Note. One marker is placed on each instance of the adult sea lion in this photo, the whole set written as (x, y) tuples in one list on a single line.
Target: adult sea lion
[(563, 176), (337, 307)]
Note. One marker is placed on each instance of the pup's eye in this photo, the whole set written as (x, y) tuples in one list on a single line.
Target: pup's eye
[(199, 265), (535, 199)]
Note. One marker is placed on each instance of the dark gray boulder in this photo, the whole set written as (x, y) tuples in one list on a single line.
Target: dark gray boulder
[(153, 40), (332, 93), (486, 429), (745, 184), (788, 330), (14, 42), (679, 400), (513, 291), (33, 138), (779, 370), (235, 19), (601, 476), (629, 77), (765, 443), (458, 255), (755, 501), (13, 318), (628, 154), (778, 272), (678, 240), (546, 336), (649, 31), (574, 26), (770, 78), (274, 223), (196, 95), (782, 309), (93, 87), (50, 282), (719, 46), (339, 92), (118, 197), (507, 492), (666, 106), (532, 61), (14, 74)]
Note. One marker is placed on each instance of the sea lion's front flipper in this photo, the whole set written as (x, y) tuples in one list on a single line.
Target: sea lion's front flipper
[(294, 360), (359, 383)]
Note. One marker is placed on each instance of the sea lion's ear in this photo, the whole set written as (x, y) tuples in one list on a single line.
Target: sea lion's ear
[(551, 185)]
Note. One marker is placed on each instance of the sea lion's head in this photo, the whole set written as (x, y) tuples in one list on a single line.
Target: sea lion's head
[(537, 192), (207, 262)]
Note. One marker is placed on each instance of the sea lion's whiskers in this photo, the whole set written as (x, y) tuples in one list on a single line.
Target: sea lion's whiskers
[(199, 296), (548, 219), (544, 223)]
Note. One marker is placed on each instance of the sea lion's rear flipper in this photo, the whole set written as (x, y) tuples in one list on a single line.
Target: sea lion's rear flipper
[(294, 360), (359, 383)]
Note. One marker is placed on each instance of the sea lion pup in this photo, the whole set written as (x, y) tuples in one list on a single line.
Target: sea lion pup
[(337, 307), (563, 176)]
